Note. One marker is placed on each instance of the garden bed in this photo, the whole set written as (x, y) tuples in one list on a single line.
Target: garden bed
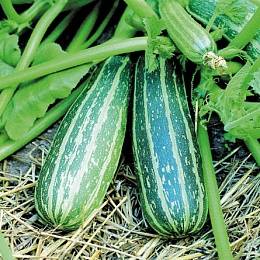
[(118, 230)]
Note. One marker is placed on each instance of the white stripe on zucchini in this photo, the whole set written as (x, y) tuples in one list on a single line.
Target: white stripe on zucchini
[(166, 153), (86, 150)]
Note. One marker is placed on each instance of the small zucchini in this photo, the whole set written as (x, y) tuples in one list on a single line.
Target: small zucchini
[(189, 36)]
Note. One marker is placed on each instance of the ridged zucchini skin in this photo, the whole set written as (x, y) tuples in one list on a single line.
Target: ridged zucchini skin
[(188, 35), (167, 161), (86, 149), (203, 10)]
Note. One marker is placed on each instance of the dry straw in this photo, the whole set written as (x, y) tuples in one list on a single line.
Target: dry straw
[(118, 230)]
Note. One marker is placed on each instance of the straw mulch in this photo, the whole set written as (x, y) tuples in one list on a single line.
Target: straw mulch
[(118, 229)]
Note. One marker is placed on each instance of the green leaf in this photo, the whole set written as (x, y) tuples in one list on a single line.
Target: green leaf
[(9, 49), (5, 69), (47, 52), (229, 137), (33, 100), (240, 120), (231, 101)]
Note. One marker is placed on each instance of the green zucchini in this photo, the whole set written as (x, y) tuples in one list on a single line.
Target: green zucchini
[(203, 11), (189, 36), (86, 150), (166, 154)]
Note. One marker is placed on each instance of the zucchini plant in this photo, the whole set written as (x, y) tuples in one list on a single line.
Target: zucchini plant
[(85, 153)]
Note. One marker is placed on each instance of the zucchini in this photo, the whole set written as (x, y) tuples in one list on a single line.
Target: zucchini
[(189, 36), (86, 150), (203, 11), (166, 154)]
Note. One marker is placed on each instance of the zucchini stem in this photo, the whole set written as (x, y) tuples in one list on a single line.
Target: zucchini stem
[(5, 250), (211, 186), (123, 31), (31, 48), (90, 55), (85, 29), (253, 146), (27, 16), (10, 12), (100, 28), (141, 8), (59, 29), (211, 21)]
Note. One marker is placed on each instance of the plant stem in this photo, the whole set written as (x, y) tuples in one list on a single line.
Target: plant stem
[(31, 47), (141, 8), (36, 8), (253, 146), (59, 29), (25, 17), (70, 6), (251, 105), (85, 29), (5, 251), (247, 33), (38, 33), (215, 211), (100, 28), (9, 147), (90, 55), (211, 21), (10, 12), (77, 4), (123, 29)]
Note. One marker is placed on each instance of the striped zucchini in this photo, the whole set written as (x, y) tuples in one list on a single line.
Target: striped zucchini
[(189, 36), (203, 10), (86, 150), (166, 154)]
